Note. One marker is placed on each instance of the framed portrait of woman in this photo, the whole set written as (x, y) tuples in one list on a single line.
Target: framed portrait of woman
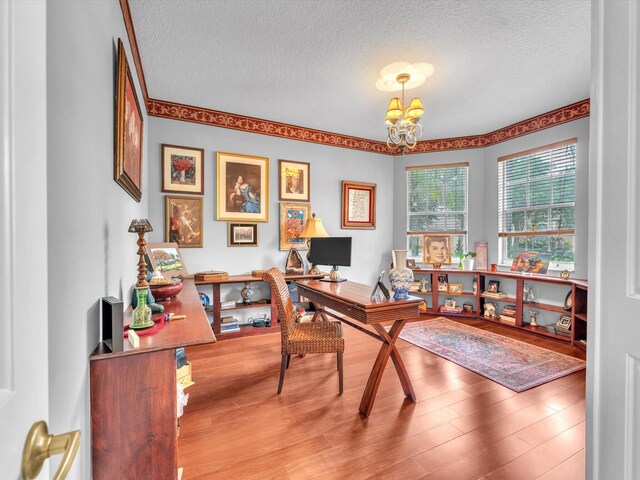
[(243, 188)]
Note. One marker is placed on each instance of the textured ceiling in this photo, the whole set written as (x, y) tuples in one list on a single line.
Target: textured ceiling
[(315, 63)]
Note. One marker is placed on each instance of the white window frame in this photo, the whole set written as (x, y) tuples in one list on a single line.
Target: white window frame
[(550, 232), (411, 233)]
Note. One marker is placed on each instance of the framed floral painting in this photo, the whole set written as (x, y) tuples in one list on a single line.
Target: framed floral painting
[(294, 181), (182, 169), (358, 205), (127, 170), (243, 188), (183, 220), (293, 217)]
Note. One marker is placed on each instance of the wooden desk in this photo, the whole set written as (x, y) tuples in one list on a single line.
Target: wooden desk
[(217, 309), (133, 396), (354, 300)]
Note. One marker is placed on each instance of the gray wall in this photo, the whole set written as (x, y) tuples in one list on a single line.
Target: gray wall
[(90, 252), (483, 186), (329, 166)]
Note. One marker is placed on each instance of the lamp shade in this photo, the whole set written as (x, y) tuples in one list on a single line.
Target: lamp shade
[(140, 225), (313, 228), (394, 112), (415, 109)]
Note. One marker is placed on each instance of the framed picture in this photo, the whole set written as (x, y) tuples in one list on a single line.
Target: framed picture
[(182, 169), (436, 249), (243, 188), (467, 307), (564, 322), (411, 263), (183, 220), (493, 286), (449, 303), (127, 170), (455, 288), (530, 262), (294, 180), (166, 258), (568, 301), (242, 234), (358, 205), (293, 216), (443, 282)]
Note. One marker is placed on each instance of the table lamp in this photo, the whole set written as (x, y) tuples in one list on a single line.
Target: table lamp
[(142, 313), (313, 229)]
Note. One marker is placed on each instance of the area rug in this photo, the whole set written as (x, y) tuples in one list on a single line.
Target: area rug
[(514, 364)]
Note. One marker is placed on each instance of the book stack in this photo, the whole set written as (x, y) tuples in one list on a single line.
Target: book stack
[(507, 319), (562, 331), (509, 310), (228, 304), (210, 276), (454, 310), (229, 324), (495, 294), (415, 287)]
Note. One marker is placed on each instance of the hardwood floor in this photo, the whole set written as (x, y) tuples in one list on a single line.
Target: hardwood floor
[(463, 426)]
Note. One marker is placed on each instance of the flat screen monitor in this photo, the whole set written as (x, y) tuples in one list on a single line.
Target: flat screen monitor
[(333, 251)]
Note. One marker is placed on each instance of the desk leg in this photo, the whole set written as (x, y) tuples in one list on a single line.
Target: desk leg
[(217, 311), (387, 350)]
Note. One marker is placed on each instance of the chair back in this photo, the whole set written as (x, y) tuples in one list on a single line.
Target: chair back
[(276, 281)]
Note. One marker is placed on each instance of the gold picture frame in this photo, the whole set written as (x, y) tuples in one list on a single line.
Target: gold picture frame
[(293, 217), (127, 170), (182, 169), (440, 254), (183, 221), (455, 288), (294, 181), (243, 188)]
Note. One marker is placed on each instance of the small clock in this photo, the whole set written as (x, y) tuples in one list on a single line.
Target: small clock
[(564, 274)]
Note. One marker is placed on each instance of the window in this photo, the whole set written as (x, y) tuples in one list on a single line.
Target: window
[(536, 203), (437, 202)]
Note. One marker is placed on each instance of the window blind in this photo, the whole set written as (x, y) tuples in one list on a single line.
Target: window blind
[(536, 201), (437, 202)]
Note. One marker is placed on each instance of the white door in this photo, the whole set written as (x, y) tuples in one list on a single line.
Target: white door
[(23, 228), (613, 355)]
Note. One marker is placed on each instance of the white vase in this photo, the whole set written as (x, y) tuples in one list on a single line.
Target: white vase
[(400, 276), (468, 263)]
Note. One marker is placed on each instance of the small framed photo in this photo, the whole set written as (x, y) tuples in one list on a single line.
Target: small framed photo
[(467, 307), (411, 263), (182, 169), (443, 282), (242, 234), (183, 220), (449, 303), (294, 181), (293, 216), (568, 302), (564, 322), (455, 288), (358, 205), (494, 286), (167, 259), (436, 249)]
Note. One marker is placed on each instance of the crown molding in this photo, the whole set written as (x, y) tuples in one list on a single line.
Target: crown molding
[(215, 118), (133, 43)]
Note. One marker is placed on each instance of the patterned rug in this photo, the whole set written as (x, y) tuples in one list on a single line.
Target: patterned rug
[(514, 364)]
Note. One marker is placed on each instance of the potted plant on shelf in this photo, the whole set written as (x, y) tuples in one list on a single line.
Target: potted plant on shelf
[(467, 260)]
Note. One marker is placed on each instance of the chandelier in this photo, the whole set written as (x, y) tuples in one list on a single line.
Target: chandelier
[(403, 127)]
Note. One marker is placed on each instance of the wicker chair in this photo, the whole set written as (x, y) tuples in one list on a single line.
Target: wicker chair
[(302, 338)]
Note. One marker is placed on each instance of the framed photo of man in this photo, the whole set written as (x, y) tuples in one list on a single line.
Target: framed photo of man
[(436, 249), (294, 180)]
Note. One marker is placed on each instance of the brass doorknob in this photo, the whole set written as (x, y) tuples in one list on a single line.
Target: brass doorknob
[(39, 446)]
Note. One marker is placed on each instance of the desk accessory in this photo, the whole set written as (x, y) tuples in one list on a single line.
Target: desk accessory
[(142, 313), (112, 323), (380, 287)]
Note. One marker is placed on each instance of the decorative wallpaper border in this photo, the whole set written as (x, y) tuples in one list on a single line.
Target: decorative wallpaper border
[(215, 118)]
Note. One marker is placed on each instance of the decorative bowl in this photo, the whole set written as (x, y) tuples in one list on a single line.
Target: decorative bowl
[(166, 291)]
